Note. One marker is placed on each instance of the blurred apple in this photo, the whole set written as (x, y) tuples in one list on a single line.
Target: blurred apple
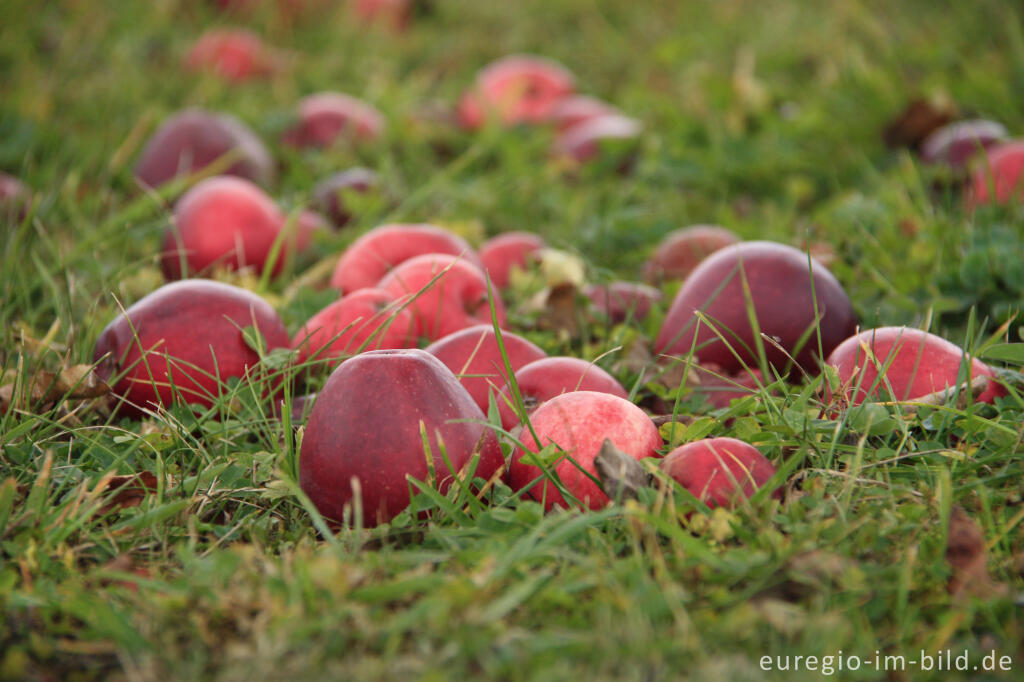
[(233, 54), (682, 250), (328, 193), (325, 117), (500, 254), (515, 89)]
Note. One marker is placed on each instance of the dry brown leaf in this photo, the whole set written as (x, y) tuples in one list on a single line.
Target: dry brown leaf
[(966, 555), (620, 474), (78, 382), (561, 312), (129, 491), (920, 118)]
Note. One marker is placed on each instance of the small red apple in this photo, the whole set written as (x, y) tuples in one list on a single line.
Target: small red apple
[(193, 139), (328, 193), (363, 439), (182, 342), (446, 293), (233, 54), (515, 89), (506, 251), (578, 423), (954, 144), (719, 471), (367, 319), (682, 250), (585, 140), (915, 363), (578, 108), (475, 358), (999, 179), (325, 117), (547, 378), (620, 301), (370, 257), (787, 289)]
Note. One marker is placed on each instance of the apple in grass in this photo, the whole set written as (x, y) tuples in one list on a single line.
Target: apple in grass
[(795, 300), (364, 440), (903, 363), (474, 356), (719, 471), (233, 54), (578, 423), (445, 293), (193, 139), (500, 254), (14, 199), (578, 108), (590, 138), (999, 178), (325, 117), (620, 301), (513, 90), (955, 144), (682, 250), (328, 194), (180, 344), (369, 258)]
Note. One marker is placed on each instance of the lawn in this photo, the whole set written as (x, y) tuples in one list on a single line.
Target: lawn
[(180, 546)]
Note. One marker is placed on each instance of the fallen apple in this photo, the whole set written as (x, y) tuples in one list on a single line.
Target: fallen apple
[(328, 194), (500, 254), (682, 250), (325, 117), (233, 54), (574, 109), (719, 471), (586, 140), (999, 178), (955, 144), (620, 301), (513, 90)]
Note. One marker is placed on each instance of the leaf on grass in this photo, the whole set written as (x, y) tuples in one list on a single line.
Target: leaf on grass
[(917, 121), (78, 382), (620, 474), (129, 490), (966, 555)]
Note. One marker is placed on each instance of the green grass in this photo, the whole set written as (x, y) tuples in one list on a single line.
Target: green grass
[(221, 572)]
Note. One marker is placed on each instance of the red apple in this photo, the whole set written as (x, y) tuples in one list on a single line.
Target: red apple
[(578, 423), (475, 358), (228, 222), (364, 434), (585, 140), (233, 54), (506, 251), (193, 139), (682, 250), (327, 116), (719, 471), (547, 378), (14, 199), (999, 179), (620, 301), (578, 108), (370, 257), (367, 319), (449, 294), (784, 295), (394, 14), (915, 363), (328, 193), (955, 143), (182, 342), (515, 89), (719, 388)]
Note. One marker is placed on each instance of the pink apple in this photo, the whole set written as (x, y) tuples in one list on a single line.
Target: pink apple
[(620, 301), (328, 194), (515, 89), (682, 250), (547, 378), (325, 117), (233, 54), (578, 108), (999, 179), (915, 363), (14, 199), (371, 256), (193, 139), (506, 251), (585, 140), (719, 471), (446, 293), (367, 319), (954, 144), (475, 358), (578, 423)]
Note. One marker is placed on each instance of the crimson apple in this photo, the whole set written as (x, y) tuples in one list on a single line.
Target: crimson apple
[(544, 379), (325, 117), (233, 54), (719, 471), (999, 179), (367, 319), (578, 423), (370, 257), (515, 89), (585, 140), (473, 354), (682, 250), (193, 139), (180, 343), (904, 363), (506, 251), (328, 193), (955, 143), (446, 293), (794, 299), (621, 301), (363, 440)]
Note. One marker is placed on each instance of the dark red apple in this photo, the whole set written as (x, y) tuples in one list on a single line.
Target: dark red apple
[(547, 378), (515, 89), (719, 471), (578, 423), (585, 140), (328, 194), (181, 343), (14, 199), (233, 54), (682, 250), (193, 139), (955, 143), (787, 289), (578, 108), (506, 251), (363, 440), (475, 358), (231, 223), (370, 257), (999, 179), (367, 319), (325, 117), (915, 363), (447, 294), (620, 301)]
